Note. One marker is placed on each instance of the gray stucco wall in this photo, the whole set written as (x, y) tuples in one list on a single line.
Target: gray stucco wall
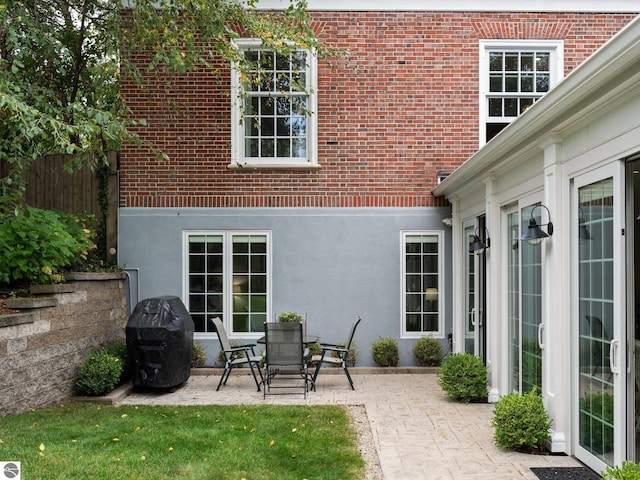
[(333, 264)]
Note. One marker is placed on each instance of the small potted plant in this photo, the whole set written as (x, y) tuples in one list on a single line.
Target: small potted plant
[(290, 317)]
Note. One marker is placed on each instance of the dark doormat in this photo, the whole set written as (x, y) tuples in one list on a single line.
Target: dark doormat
[(565, 473)]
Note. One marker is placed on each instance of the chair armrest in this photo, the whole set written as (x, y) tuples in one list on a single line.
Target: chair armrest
[(333, 348)]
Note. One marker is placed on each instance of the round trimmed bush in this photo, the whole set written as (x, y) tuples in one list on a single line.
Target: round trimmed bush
[(428, 352), (99, 374), (385, 352), (464, 377), (521, 422)]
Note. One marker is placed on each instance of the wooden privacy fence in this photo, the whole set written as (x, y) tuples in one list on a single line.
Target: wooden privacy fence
[(49, 186)]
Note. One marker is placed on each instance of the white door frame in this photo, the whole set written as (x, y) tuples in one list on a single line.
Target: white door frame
[(618, 366)]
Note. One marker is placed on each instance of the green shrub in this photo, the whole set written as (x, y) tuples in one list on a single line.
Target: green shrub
[(38, 244), (99, 374), (199, 355), (385, 352), (428, 352), (119, 350), (626, 471), (521, 422), (464, 377)]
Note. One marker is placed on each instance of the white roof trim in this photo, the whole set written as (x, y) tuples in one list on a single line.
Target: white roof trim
[(601, 76), (605, 6)]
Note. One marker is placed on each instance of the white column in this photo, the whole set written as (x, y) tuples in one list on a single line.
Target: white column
[(496, 355), (457, 280), (556, 333)]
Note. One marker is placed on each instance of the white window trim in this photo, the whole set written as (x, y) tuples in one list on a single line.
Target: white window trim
[(228, 265), (441, 293), (237, 128), (555, 47)]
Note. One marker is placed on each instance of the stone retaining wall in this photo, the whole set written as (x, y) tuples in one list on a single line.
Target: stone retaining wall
[(42, 349)]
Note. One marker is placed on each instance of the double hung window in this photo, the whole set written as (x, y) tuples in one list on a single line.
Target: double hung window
[(422, 284), (273, 108), (227, 275), (514, 75)]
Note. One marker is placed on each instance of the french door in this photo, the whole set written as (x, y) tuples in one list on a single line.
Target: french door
[(475, 290), (599, 317), (524, 279)]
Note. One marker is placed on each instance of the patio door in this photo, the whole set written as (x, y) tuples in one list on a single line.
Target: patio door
[(524, 280), (597, 241), (475, 290)]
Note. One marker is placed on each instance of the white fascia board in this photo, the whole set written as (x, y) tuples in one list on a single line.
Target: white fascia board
[(604, 6), (598, 77)]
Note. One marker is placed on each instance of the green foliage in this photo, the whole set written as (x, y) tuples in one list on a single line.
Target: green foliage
[(521, 422), (464, 377), (199, 355), (428, 352), (385, 352), (119, 350), (99, 374), (103, 442), (62, 62), (38, 245), (626, 471), (290, 317)]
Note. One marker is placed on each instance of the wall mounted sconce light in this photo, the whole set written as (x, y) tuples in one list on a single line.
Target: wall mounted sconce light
[(534, 233), (477, 245)]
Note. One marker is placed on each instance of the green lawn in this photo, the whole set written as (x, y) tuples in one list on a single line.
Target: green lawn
[(257, 442)]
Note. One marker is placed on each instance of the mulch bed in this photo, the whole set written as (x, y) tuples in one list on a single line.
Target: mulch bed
[(565, 473)]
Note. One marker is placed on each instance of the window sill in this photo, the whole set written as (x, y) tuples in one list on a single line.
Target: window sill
[(274, 166)]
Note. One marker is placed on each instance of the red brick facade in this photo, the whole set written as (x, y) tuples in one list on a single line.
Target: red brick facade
[(402, 110)]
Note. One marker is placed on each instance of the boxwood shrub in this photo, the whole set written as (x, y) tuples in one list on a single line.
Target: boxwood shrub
[(464, 377)]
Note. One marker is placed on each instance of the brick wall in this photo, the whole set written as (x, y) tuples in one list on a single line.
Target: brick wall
[(402, 110), (41, 351)]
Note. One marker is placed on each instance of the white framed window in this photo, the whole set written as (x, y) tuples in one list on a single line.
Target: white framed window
[(513, 76), (228, 275), (273, 110), (422, 282)]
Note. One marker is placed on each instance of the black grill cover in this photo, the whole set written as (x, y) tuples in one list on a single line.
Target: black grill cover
[(160, 342)]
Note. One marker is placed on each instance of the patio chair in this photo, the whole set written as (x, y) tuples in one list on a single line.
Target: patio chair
[(336, 354), (285, 366), (236, 356)]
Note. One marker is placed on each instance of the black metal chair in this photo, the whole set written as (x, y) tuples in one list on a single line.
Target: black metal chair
[(236, 356), (336, 354), (285, 365)]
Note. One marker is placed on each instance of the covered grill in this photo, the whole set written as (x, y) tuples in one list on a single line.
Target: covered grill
[(160, 342)]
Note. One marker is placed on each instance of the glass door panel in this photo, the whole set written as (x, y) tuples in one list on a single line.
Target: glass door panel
[(596, 321), (470, 289), (531, 306), (513, 253), (524, 304)]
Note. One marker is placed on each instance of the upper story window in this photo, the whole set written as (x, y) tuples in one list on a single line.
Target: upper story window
[(513, 76), (422, 282), (275, 124)]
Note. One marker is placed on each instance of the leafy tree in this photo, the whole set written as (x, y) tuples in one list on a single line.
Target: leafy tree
[(61, 62)]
